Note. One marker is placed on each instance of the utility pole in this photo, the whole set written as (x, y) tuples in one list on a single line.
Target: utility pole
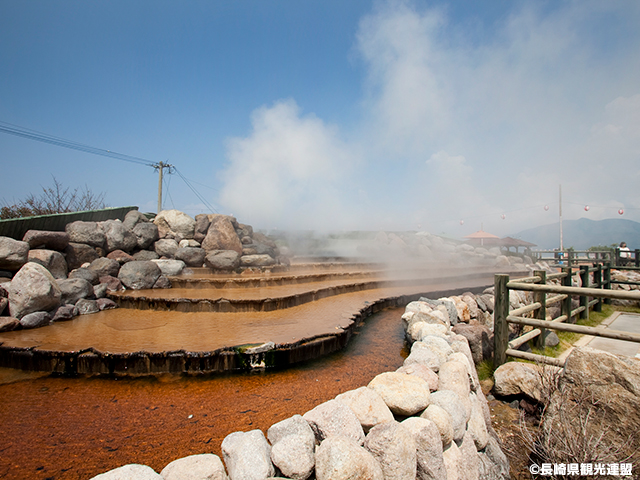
[(560, 211), (160, 166)]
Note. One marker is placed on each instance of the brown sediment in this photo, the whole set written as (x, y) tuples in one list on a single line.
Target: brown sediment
[(74, 428), (130, 341)]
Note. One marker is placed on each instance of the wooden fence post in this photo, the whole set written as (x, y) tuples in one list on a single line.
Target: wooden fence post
[(584, 300), (541, 313), (565, 308), (597, 280), (637, 257), (607, 280), (500, 325)]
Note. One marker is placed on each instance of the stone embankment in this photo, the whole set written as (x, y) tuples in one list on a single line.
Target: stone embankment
[(55, 276), (427, 420)]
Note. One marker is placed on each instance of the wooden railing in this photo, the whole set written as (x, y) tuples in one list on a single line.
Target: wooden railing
[(570, 257), (596, 288)]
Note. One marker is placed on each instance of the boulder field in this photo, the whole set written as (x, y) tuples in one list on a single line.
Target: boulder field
[(55, 276)]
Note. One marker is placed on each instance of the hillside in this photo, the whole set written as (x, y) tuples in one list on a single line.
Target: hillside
[(583, 233)]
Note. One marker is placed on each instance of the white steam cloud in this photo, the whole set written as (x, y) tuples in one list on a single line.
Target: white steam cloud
[(459, 124)]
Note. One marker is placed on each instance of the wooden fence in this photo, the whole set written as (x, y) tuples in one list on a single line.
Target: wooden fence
[(570, 257), (596, 288)]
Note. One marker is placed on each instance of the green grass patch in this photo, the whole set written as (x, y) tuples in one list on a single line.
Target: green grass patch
[(485, 369)]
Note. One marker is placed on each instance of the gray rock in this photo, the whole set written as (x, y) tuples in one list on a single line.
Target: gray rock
[(430, 464), (65, 312), (247, 456), (112, 283), (221, 235), (470, 465), (74, 289), (162, 282), (106, 304), (133, 218), (293, 457), (339, 458), (494, 464), (477, 426), (191, 256), (202, 226), (454, 376), (296, 426), (334, 418), (35, 320), (77, 254), (453, 404), (452, 461), (8, 324), (206, 466), (117, 236), (51, 260), (13, 253), (404, 394), (90, 276), (146, 234), (368, 406), (393, 446), (190, 243), (175, 223), (86, 306), (256, 260), (170, 268), (551, 339), (226, 260), (33, 289), (442, 420), (166, 247), (120, 257), (139, 275), (514, 378), (105, 266), (293, 445), (145, 255), (480, 340), (129, 472), (100, 290), (50, 240), (88, 233), (422, 371)]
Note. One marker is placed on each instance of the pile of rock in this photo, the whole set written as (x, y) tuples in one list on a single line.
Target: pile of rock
[(427, 420), (53, 276), (625, 276)]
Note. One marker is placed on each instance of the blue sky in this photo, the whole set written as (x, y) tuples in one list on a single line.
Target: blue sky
[(332, 114)]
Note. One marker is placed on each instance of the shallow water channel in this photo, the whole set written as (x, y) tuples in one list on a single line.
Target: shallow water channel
[(74, 428)]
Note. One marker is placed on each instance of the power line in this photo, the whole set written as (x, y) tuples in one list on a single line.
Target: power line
[(62, 142), (30, 134)]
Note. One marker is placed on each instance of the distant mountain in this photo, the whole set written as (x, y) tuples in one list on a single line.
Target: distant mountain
[(583, 233)]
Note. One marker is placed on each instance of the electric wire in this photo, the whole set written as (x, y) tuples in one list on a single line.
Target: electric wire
[(200, 197), (23, 132)]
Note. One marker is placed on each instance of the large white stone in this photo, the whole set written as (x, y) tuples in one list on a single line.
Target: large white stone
[(206, 466), (247, 456), (430, 464), (338, 458), (394, 447), (404, 394), (33, 289), (334, 418), (175, 222), (368, 406), (129, 472)]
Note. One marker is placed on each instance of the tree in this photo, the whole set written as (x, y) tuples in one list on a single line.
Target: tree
[(54, 199)]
